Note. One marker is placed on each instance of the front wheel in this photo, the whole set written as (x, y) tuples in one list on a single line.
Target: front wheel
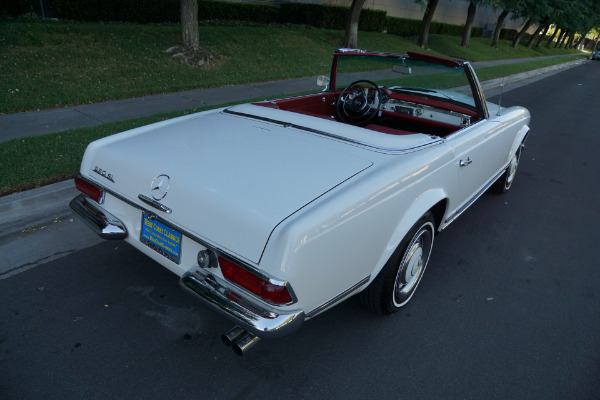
[(503, 184), (399, 278)]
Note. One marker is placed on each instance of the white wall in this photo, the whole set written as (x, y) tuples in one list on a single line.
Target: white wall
[(447, 11)]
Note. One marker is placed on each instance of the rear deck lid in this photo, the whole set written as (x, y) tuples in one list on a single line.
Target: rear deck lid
[(233, 179)]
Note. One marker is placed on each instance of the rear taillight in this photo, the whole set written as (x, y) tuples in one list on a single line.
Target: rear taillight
[(88, 189), (268, 291)]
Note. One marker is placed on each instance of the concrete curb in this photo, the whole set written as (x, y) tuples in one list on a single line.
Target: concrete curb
[(20, 211), (23, 210)]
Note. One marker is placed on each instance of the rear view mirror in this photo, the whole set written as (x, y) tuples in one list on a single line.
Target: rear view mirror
[(402, 69)]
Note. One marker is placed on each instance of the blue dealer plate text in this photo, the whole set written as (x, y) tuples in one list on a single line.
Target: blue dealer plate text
[(163, 239)]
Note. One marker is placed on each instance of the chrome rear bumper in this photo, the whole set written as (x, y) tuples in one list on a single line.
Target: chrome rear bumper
[(251, 317), (205, 287), (106, 225)]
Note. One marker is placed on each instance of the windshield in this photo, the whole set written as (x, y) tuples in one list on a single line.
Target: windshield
[(403, 75)]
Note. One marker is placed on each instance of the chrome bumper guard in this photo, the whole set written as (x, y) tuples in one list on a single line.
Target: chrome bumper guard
[(106, 225), (250, 317)]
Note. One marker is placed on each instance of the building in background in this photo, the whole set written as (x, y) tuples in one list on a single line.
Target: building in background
[(448, 11)]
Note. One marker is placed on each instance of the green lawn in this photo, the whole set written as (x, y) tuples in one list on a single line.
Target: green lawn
[(56, 64)]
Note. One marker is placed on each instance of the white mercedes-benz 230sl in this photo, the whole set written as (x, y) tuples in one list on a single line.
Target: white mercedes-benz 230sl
[(272, 212)]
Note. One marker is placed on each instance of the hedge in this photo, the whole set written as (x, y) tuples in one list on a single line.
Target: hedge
[(15, 8), (412, 27), (156, 11), (329, 16), (317, 15)]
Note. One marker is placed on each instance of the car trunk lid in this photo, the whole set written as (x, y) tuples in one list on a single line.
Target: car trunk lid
[(232, 179)]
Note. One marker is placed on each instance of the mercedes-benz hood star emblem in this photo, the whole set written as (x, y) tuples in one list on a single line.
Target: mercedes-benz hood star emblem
[(160, 187)]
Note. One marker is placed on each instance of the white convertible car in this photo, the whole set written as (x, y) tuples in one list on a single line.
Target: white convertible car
[(272, 212)]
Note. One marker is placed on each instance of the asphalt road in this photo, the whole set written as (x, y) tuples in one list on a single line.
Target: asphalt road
[(509, 307)]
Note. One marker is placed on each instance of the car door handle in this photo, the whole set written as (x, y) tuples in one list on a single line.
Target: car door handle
[(464, 163)]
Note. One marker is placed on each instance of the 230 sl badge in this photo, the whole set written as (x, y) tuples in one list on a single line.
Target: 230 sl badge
[(103, 173)]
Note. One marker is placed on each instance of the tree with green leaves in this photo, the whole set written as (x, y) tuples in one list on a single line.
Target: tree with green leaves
[(507, 7), (191, 52), (430, 7), (351, 37), (498, 29), (535, 11), (189, 24), (473, 4), (466, 38)]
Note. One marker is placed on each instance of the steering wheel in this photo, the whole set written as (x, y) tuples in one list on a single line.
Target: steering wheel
[(355, 106)]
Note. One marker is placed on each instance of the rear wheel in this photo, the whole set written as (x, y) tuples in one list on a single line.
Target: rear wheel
[(399, 278)]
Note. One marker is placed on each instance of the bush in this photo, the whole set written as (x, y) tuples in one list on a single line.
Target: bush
[(156, 11), (330, 17), (139, 11), (412, 27), (317, 15), (441, 28), (508, 34), (221, 10), (371, 20), (403, 27), (15, 8)]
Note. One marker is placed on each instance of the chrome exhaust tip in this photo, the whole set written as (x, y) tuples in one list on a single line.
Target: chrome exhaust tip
[(244, 343), (232, 335)]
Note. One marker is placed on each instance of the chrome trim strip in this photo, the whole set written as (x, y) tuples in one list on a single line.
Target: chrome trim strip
[(337, 298), (155, 204), (476, 85), (464, 129), (106, 225), (472, 200), (253, 318), (416, 106), (435, 139)]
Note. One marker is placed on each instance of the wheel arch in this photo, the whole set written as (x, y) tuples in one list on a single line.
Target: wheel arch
[(435, 201), (519, 140)]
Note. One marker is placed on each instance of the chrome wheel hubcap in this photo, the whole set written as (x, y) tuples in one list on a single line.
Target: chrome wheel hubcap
[(413, 265), (512, 170)]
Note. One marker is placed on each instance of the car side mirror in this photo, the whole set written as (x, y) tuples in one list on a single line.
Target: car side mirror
[(323, 80)]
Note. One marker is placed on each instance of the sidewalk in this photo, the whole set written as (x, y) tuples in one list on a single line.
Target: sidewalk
[(23, 210), (42, 122)]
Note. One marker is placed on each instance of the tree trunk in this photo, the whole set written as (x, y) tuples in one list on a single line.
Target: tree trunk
[(556, 30), (522, 33), (534, 36), (189, 24), (351, 37), (569, 44), (580, 41), (498, 29), (469, 24), (560, 38), (426, 23), (542, 36)]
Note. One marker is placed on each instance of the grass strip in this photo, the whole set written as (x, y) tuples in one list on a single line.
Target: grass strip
[(46, 64), (31, 162), (509, 69)]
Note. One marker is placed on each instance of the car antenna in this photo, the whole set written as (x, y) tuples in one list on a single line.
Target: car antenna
[(502, 83)]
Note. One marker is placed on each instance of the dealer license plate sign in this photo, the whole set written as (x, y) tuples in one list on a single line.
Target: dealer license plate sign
[(163, 239)]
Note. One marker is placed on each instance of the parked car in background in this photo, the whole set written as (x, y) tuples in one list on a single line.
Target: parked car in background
[(272, 212), (596, 54)]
